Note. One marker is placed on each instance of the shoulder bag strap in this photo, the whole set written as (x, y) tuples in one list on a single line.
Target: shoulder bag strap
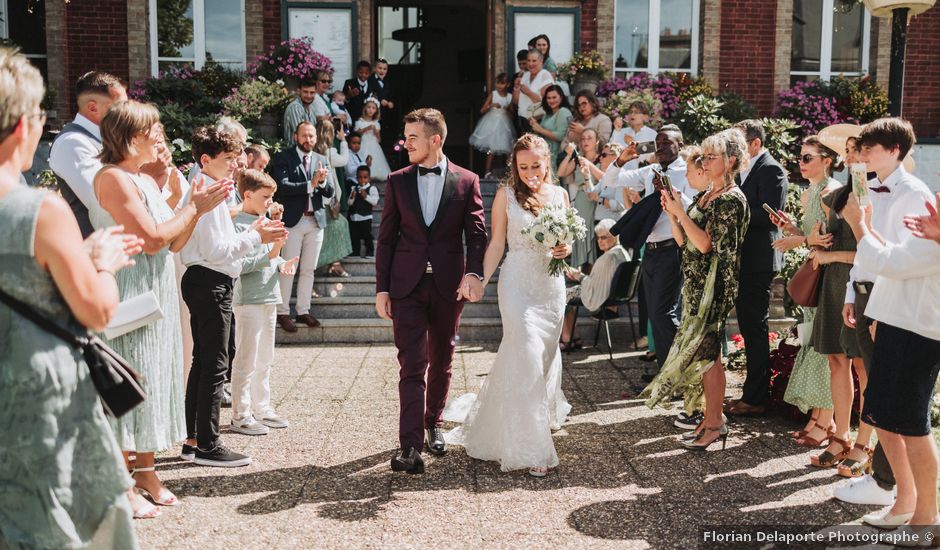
[(42, 322)]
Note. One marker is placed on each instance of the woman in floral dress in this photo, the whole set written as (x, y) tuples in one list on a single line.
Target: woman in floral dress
[(710, 233)]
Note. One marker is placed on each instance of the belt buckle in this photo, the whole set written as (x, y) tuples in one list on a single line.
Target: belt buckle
[(428, 269)]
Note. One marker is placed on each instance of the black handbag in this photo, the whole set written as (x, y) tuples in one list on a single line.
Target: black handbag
[(117, 383)]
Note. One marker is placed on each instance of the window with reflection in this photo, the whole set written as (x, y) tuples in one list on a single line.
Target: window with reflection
[(24, 26), (187, 33), (656, 35), (830, 38)]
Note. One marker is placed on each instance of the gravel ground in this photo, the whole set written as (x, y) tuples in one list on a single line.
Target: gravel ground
[(325, 481)]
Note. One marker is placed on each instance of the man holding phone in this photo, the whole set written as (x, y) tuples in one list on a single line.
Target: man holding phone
[(660, 271)]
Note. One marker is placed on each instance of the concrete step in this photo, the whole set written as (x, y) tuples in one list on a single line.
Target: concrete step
[(363, 285), (363, 307)]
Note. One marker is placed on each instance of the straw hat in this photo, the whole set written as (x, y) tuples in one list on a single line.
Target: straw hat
[(835, 136)]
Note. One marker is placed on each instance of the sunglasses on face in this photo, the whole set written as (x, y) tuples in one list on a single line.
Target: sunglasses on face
[(807, 158), (330, 81)]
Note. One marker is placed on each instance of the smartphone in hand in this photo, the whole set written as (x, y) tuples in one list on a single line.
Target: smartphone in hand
[(645, 147)]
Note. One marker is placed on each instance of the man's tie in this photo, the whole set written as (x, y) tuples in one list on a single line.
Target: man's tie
[(880, 189), (422, 171)]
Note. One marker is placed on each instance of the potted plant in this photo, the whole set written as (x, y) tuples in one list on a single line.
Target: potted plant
[(885, 8), (584, 71), (259, 104), (290, 61)]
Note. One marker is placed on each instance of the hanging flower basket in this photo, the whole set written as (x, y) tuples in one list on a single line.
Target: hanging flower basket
[(885, 8)]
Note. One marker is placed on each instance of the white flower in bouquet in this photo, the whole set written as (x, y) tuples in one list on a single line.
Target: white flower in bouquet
[(553, 226)]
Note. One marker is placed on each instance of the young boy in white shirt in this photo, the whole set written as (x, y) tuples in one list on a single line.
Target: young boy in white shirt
[(257, 294)]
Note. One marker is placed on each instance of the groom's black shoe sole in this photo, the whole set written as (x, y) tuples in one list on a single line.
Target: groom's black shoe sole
[(409, 461), (435, 441)]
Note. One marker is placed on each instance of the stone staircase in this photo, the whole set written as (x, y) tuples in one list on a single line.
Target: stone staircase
[(346, 306)]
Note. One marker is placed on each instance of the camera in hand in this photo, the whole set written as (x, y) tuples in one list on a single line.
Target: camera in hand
[(645, 147)]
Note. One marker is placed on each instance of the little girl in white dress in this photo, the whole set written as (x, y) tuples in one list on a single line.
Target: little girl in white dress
[(371, 131), (494, 134)]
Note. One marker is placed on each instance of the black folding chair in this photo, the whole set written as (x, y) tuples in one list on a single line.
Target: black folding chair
[(623, 289)]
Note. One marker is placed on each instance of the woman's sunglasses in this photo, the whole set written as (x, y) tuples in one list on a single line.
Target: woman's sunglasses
[(807, 158)]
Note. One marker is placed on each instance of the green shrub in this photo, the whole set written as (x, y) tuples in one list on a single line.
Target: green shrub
[(736, 108), (700, 117)]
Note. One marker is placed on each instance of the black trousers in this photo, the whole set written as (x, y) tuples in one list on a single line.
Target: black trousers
[(753, 308), (360, 232), (208, 294), (661, 278)]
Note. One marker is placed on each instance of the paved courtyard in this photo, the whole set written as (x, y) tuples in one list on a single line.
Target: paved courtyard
[(325, 482)]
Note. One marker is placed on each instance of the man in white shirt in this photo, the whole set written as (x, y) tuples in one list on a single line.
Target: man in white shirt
[(661, 275), (894, 195), (211, 257), (74, 154)]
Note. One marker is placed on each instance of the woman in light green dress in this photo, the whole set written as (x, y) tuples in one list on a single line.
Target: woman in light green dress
[(62, 484), (554, 125), (808, 388), (336, 241), (583, 250), (128, 197)]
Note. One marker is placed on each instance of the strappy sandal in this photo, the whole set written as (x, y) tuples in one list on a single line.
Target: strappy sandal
[(146, 510), (165, 498), (797, 434), (827, 459), (854, 468), (337, 270), (807, 441)]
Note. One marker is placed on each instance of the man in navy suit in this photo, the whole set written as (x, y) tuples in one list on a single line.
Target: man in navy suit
[(304, 178), (765, 181)]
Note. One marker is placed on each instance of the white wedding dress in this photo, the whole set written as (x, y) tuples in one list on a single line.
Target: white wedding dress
[(521, 401)]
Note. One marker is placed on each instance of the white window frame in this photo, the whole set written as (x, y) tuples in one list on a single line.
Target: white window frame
[(199, 38), (5, 31), (825, 45), (653, 45)]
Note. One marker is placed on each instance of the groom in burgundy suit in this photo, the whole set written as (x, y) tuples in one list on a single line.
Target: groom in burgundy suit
[(431, 208)]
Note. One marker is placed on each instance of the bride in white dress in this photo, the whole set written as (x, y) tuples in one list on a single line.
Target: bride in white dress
[(521, 401)]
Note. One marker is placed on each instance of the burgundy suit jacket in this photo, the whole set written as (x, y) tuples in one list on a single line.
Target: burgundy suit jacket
[(405, 244)]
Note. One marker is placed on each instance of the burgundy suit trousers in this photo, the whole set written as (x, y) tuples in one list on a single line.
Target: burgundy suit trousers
[(425, 325)]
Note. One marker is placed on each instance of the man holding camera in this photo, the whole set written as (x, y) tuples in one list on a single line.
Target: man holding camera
[(661, 276)]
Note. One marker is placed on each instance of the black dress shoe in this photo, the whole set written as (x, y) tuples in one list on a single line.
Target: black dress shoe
[(408, 461), (436, 444)]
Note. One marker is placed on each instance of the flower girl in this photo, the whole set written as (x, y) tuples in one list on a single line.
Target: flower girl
[(370, 129), (494, 133)]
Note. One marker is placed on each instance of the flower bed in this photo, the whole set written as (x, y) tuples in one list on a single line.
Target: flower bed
[(817, 104)]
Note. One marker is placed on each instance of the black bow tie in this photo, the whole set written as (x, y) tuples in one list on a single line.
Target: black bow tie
[(880, 189), (422, 171)]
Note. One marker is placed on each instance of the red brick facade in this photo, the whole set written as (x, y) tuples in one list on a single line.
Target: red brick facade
[(921, 83), (96, 38), (272, 22), (748, 46), (589, 25)]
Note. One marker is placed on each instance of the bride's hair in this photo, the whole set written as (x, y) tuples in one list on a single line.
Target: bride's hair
[(524, 195)]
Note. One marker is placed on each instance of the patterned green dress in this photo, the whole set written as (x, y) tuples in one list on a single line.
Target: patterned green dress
[(809, 387), (62, 478), (154, 350), (710, 287)]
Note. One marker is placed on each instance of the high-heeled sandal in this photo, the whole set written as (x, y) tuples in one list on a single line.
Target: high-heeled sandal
[(797, 434), (695, 446), (856, 468), (337, 271), (807, 441), (827, 459), (145, 509), (165, 498)]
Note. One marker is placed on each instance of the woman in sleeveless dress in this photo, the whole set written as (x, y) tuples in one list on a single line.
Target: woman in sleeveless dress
[(128, 197), (521, 401), (60, 467)]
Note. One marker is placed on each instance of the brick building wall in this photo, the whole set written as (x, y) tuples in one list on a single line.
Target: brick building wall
[(589, 24), (747, 46), (271, 17), (921, 84), (96, 36)]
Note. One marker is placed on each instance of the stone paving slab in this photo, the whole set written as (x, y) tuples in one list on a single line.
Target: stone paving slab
[(623, 482)]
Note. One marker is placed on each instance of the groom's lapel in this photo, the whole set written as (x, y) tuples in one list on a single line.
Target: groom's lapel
[(411, 187), (450, 185)]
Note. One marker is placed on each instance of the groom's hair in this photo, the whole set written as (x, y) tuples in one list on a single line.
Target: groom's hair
[(432, 119)]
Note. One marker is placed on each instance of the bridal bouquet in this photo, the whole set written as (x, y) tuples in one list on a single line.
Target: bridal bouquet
[(553, 226)]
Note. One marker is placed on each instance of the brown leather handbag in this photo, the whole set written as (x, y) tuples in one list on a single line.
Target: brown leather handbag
[(803, 287)]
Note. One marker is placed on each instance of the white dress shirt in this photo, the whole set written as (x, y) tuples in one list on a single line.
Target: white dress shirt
[(74, 158), (907, 284), (430, 189), (643, 134), (744, 173), (215, 244), (641, 180), (907, 197)]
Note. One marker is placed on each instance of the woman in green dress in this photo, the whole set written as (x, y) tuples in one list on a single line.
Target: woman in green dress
[(544, 45), (710, 233), (128, 197), (808, 388), (60, 468), (579, 186), (336, 241), (554, 125)]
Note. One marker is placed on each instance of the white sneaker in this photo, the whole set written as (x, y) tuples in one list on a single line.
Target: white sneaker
[(249, 426), (886, 520), (272, 420), (865, 490)]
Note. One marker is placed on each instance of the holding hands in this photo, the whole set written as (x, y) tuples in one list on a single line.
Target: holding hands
[(926, 227), (471, 289)]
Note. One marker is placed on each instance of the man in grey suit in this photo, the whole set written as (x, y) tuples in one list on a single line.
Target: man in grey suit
[(304, 178)]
